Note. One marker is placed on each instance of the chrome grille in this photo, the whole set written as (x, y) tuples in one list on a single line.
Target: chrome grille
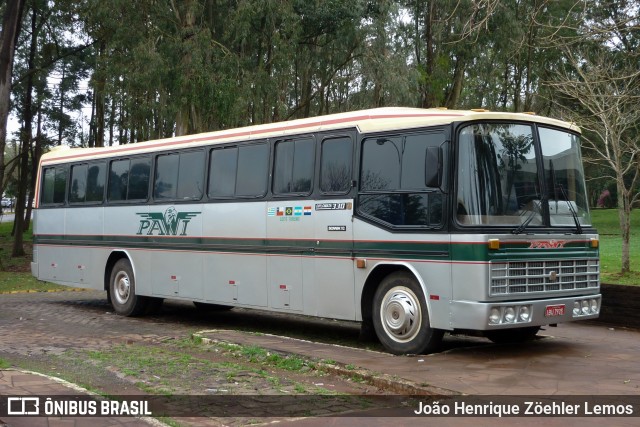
[(523, 277)]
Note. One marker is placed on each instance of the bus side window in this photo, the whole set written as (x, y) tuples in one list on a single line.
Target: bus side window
[(77, 190), (129, 179), (393, 189), (118, 180), (179, 176), (54, 185), (335, 165), (239, 171), (96, 177), (139, 179), (293, 170)]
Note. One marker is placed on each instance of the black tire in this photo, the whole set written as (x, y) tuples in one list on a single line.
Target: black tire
[(122, 290), (511, 336), (204, 306), (401, 317)]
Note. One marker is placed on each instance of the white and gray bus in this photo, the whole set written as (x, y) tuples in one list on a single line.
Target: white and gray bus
[(414, 222)]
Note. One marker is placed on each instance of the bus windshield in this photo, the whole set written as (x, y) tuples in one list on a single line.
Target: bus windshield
[(500, 182)]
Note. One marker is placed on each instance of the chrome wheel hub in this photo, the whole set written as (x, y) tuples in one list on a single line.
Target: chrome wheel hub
[(401, 314), (122, 287)]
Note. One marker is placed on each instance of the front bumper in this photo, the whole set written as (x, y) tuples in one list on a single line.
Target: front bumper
[(476, 315)]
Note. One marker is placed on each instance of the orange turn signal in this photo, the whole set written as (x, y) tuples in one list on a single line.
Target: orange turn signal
[(494, 244)]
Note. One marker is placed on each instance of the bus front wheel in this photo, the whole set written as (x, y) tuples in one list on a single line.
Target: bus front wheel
[(401, 317), (122, 290)]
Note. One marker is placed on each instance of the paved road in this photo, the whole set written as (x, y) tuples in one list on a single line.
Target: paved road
[(574, 359)]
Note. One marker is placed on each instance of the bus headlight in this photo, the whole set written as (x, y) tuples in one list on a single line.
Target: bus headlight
[(524, 313), (494, 316), (509, 315), (585, 307)]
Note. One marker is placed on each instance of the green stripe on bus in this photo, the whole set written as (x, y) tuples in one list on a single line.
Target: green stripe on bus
[(470, 252)]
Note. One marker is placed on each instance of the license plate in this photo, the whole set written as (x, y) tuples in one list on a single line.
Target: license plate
[(554, 310)]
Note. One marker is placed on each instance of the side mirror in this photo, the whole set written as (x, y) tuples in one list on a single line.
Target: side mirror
[(433, 167)]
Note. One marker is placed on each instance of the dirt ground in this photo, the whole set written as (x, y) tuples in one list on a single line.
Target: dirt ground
[(76, 336)]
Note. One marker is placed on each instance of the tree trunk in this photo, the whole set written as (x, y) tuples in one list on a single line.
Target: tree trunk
[(92, 122), (35, 165), (62, 95), (99, 87), (10, 31), (27, 119), (456, 87), (624, 216)]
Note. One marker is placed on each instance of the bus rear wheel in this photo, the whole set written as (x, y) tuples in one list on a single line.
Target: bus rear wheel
[(122, 290), (401, 317)]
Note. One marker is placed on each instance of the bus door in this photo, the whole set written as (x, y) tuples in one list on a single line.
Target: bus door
[(334, 270)]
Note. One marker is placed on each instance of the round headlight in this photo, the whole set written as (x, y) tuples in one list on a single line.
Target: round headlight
[(509, 314), (594, 305), (524, 313), (576, 308), (585, 307), (494, 316)]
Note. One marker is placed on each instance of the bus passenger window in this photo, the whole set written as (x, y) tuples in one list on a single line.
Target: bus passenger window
[(253, 165), (54, 185), (335, 165), (118, 180), (239, 171), (166, 181), (95, 183), (191, 176), (222, 176), (139, 179), (293, 171), (77, 190), (129, 179)]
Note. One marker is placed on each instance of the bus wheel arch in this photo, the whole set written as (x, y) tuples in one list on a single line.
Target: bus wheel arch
[(120, 285), (394, 305)]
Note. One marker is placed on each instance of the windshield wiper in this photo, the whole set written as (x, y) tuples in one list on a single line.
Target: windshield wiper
[(574, 214), (536, 210)]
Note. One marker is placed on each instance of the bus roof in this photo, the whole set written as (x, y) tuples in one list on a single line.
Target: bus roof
[(366, 121)]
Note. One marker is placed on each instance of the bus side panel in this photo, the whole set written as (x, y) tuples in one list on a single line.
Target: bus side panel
[(50, 255), (427, 256), (291, 237), (235, 268), (121, 227), (173, 233), (82, 266), (333, 292), (177, 274)]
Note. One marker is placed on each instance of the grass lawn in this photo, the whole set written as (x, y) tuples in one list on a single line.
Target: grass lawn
[(606, 222), (15, 273)]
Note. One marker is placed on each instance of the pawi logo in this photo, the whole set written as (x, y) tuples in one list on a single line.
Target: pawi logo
[(169, 223), (547, 244)]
